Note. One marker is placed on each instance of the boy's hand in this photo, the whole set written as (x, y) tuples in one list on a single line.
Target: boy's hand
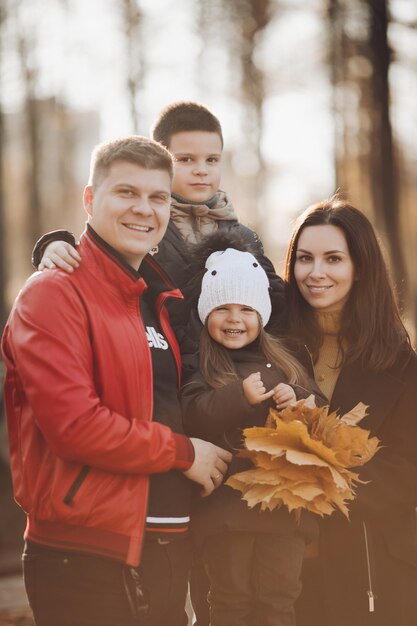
[(60, 254), (254, 389), (283, 395), (210, 465)]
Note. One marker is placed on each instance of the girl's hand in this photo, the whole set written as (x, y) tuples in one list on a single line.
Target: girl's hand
[(60, 254), (254, 389), (283, 395)]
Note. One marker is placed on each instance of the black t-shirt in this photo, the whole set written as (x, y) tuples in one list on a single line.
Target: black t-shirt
[(170, 492)]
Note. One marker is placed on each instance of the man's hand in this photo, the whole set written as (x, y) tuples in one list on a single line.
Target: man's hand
[(210, 465), (283, 395), (254, 389), (60, 254)]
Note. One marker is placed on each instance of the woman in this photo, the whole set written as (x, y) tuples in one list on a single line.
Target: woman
[(345, 320)]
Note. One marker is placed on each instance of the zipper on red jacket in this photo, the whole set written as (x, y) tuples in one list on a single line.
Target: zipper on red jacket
[(81, 476), (370, 593), (163, 316)]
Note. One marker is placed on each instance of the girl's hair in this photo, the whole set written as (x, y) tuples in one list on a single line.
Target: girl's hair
[(218, 369), (372, 332)]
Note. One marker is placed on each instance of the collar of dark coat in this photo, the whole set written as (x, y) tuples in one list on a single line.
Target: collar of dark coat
[(250, 353), (379, 390)]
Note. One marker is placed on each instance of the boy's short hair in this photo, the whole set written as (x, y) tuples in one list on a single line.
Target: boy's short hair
[(133, 148), (182, 117)]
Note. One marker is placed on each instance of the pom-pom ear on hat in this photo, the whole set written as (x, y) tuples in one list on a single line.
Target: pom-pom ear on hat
[(234, 277)]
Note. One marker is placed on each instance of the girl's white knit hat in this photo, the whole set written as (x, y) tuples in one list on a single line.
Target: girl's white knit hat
[(234, 277)]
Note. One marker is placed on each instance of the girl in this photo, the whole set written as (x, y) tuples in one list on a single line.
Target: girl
[(342, 309), (253, 559)]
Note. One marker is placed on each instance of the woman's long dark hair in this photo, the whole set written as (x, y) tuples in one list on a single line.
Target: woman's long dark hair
[(372, 332)]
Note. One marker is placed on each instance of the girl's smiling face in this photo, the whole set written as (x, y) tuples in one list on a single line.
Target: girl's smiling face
[(323, 268), (233, 326)]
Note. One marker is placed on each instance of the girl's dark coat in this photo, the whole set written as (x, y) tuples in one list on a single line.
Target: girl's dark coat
[(383, 516), (219, 416)]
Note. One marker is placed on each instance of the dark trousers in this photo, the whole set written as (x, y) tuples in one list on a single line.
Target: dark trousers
[(73, 589), (199, 589), (254, 578)]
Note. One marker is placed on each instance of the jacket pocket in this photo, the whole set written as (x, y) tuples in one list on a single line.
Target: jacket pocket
[(72, 491)]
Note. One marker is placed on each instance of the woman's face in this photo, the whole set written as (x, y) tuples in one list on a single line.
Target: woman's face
[(324, 269)]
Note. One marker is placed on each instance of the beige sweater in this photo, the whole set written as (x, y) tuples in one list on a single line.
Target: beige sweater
[(329, 363)]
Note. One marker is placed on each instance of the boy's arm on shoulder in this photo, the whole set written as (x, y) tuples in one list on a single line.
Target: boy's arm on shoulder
[(45, 240)]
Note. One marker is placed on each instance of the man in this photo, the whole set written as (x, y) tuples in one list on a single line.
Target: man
[(93, 416)]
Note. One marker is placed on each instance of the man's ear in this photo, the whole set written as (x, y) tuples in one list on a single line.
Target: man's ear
[(88, 199)]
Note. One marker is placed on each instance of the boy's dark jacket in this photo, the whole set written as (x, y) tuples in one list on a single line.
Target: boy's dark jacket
[(386, 504), (219, 416)]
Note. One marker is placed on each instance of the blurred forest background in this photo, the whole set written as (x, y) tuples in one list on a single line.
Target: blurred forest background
[(313, 95)]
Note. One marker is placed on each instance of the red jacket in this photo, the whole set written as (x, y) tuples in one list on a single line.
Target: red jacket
[(79, 403)]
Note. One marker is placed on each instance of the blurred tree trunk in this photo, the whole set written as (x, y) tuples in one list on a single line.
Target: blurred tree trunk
[(252, 16), (337, 58), (241, 24), (25, 49), (249, 18), (132, 17), (382, 165), (365, 157)]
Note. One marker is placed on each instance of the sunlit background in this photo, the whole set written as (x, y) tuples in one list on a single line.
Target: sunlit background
[(313, 95), (294, 83)]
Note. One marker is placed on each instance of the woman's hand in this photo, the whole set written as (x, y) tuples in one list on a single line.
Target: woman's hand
[(283, 395), (254, 389), (60, 254)]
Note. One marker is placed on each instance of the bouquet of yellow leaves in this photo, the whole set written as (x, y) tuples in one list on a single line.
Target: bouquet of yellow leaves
[(302, 458)]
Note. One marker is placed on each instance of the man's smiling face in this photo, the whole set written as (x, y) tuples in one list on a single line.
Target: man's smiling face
[(129, 208)]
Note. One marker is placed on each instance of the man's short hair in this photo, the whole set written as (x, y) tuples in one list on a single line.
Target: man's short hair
[(133, 148), (182, 117)]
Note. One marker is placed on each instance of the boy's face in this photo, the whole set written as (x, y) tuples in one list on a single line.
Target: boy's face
[(197, 164)]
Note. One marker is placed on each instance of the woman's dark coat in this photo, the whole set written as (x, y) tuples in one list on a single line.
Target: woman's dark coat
[(373, 557)]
